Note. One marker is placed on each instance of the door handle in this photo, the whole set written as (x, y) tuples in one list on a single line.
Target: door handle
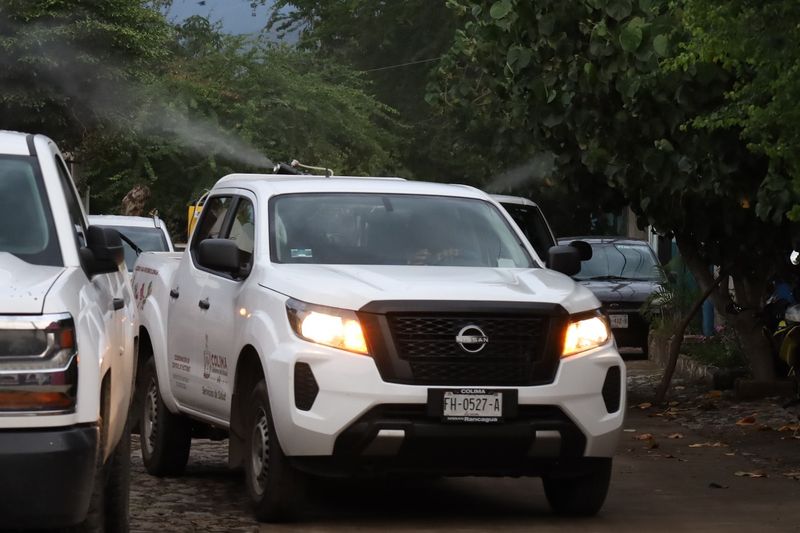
[(204, 304), (173, 293), (118, 303)]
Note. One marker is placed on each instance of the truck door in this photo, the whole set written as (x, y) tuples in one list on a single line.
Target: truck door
[(105, 302), (188, 326), (224, 315)]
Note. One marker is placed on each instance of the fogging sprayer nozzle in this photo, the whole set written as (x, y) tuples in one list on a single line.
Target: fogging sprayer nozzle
[(328, 172)]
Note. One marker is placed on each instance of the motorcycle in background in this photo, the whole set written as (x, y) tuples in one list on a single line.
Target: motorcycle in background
[(786, 334)]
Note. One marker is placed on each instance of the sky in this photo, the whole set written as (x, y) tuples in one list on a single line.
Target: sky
[(236, 15)]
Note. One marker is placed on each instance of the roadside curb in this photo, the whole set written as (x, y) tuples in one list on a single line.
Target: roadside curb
[(686, 367)]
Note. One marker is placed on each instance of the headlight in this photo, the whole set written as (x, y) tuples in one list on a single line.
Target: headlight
[(38, 363), (329, 326), (585, 334)]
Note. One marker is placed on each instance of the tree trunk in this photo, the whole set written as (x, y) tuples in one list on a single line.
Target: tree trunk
[(750, 296), (749, 328)]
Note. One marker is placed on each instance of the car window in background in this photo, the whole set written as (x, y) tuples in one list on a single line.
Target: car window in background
[(392, 229), (147, 239), (617, 260), (26, 224), (530, 219)]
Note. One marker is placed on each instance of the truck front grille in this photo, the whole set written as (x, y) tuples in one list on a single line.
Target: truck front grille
[(428, 342)]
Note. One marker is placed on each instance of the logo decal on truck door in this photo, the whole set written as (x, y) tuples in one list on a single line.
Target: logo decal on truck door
[(214, 364)]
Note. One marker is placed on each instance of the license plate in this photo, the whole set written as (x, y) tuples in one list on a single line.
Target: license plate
[(472, 405), (618, 321)]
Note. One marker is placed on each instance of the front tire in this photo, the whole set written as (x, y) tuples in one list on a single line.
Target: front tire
[(165, 437), (109, 507), (581, 495), (272, 482)]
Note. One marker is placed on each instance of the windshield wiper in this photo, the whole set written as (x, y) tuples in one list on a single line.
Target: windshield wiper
[(131, 244), (604, 278)]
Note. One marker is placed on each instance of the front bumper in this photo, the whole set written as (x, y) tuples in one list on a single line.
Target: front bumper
[(350, 404), (46, 476), (405, 439)]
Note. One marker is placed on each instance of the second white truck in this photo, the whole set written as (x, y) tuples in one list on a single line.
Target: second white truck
[(344, 326)]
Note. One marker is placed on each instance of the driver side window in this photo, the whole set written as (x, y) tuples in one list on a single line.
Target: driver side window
[(242, 232), (212, 220)]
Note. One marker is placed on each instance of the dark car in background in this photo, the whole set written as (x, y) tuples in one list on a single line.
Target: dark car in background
[(622, 273)]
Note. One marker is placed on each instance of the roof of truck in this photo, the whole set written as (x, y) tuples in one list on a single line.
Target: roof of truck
[(14, 143), (519, 200), (124, 220), (272, 184)]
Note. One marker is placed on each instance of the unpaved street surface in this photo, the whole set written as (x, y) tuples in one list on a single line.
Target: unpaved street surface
[(674, 470)]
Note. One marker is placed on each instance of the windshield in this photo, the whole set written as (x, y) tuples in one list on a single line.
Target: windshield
[(392, 229), (147, 239), (530, 219), (26, 224), (620, 261)]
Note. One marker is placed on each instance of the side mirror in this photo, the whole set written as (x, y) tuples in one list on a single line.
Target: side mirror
[(564, 259), (103, 252), (584, 249), (219, 254), (794, 257)]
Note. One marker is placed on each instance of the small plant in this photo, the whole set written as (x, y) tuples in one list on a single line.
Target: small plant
[(666, 307), (723, 350)]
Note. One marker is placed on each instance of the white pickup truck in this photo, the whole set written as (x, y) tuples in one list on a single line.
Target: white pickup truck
[(343, 326), (67, 327)]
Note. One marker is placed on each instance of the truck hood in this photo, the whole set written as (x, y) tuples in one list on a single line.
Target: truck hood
[(23, 286), (353, 286)]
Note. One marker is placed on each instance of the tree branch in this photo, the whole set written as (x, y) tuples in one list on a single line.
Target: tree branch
[(676, 341)]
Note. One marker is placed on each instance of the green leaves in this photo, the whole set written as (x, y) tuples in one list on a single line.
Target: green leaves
[(631, 35), (661, 45), (518, 57), (501, 9), (619, 9)]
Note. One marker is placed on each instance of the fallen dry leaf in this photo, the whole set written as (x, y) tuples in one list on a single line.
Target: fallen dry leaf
[(714, 394), (790, 427), (731, 454), (649, 440), (713, 485), (675, 436), (645, 405), (746, 421), (755, 474), (793, 475), (708, 445), (673, 404)]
